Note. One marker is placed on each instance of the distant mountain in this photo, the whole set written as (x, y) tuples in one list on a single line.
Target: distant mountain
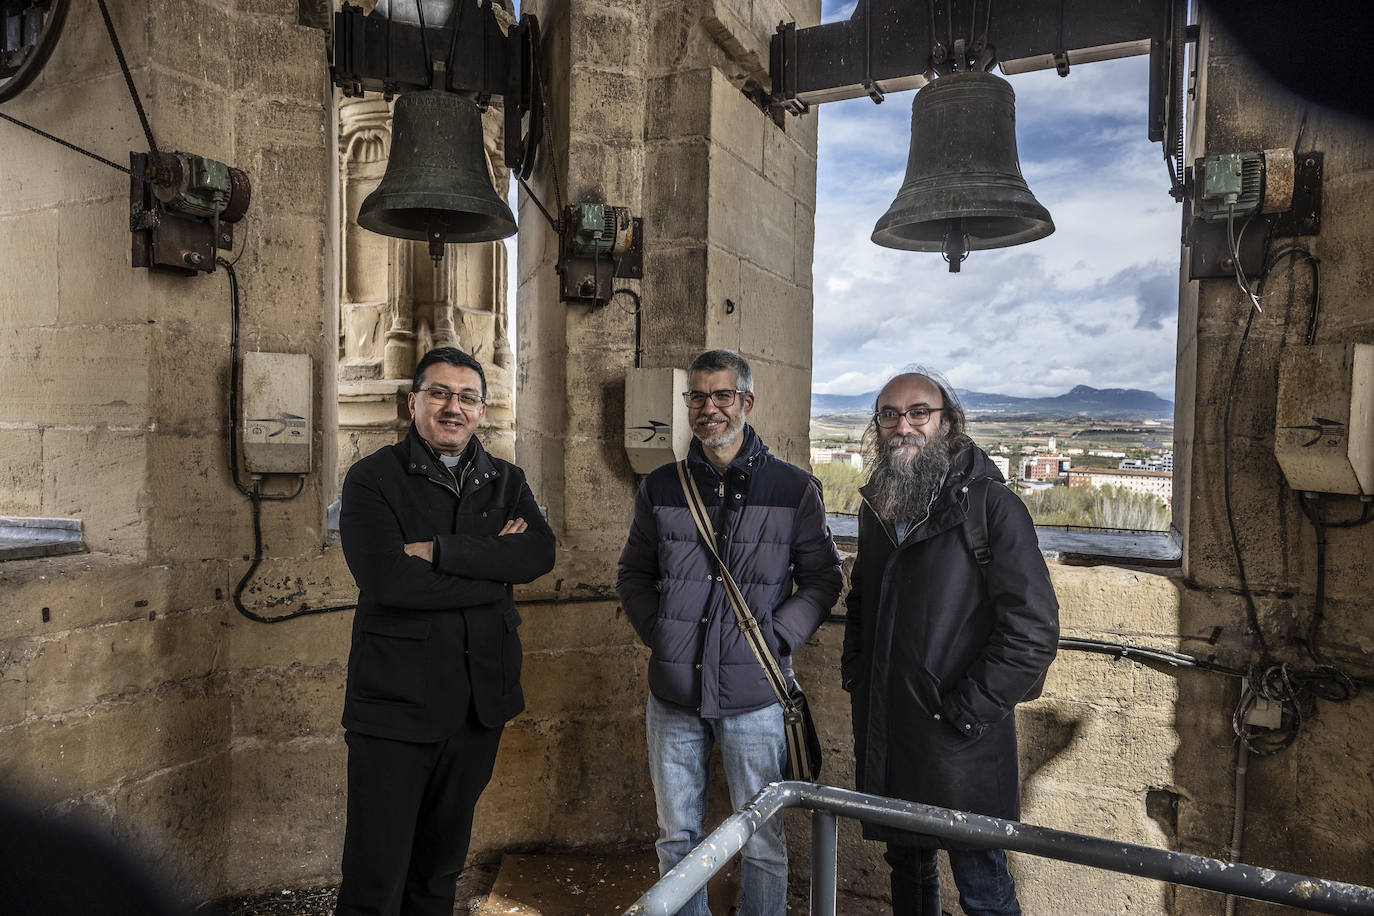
[(1080, 401)]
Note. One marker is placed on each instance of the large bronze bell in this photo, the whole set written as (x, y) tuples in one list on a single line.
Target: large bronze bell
[(437, 187), (963, 189)]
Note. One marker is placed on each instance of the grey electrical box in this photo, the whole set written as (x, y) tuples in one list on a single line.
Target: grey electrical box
[(275, 419), (656, 426), (1324, 429)]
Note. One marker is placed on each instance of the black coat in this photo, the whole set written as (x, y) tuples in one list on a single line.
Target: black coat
[(937, 654), (428, 639)]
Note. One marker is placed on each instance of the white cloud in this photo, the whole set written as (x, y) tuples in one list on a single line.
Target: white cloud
[(1087, 305), (858, 381), (837, 10)]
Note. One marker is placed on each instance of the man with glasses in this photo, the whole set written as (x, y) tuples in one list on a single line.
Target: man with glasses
[(706, 687), (434, 530), (951, 622)]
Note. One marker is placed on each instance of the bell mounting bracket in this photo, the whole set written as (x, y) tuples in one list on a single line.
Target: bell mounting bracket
[(373, 53), (887, 46)]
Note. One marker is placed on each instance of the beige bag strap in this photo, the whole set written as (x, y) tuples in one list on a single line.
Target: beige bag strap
[(747, 624)]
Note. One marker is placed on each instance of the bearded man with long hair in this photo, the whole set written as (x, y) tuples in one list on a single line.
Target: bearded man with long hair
[(944, 636)]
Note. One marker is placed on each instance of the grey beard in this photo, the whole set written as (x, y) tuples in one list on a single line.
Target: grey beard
[(902, 487)]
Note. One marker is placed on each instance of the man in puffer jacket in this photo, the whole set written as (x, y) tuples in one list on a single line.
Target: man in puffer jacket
[(706, 686)]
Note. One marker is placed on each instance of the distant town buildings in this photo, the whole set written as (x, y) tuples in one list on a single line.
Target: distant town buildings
[(1002, 464), (1163, 463), (1044, 467), (837, 455), (1159, 484)]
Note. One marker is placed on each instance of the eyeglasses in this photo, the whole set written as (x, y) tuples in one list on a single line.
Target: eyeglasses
[(889, 416), (466, 399), (721, 397)]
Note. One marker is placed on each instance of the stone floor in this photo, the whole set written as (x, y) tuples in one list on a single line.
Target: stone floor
[(517, 885), (527, 885), (568, 885)]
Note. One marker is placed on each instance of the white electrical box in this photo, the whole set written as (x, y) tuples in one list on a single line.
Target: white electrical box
[(275, 418), (1324, 425), (656, 426)]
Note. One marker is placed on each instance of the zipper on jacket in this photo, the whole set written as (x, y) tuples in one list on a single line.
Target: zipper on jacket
[(439, 483), (891, 534)]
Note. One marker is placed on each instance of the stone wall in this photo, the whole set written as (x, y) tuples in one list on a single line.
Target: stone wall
[(121, 671), (647, 114), (1311, 805), (131, 691)]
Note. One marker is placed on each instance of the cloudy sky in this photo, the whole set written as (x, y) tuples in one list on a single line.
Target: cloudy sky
[(1093, 304)]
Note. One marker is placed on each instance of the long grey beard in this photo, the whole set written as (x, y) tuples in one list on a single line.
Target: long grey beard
[(902, 487)]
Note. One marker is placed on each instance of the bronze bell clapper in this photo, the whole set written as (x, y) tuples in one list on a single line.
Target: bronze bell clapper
[(963, 189)]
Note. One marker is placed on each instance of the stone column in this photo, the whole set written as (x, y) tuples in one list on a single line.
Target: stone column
[(647, 115), (396, 304), (1304, 807), (644, 115), (373, 316), (364, 145)]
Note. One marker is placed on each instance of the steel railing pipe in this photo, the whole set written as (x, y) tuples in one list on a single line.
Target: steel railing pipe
[(674, 889), (825, 835)]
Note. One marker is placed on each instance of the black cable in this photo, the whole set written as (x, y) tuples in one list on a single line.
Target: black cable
[(1269, 262), (457, 16), (129, 80), (537, 202), (133, 93), (1146, 653), (254, 493), (1295, 691), (1319, 596), (638, 313), (71, 146), (235, 373), (1309, 502), (1251, 611), (304, 610), (424, 43), (542, 87)]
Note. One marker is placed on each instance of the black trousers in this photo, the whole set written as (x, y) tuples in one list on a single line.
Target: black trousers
[(410, 820)]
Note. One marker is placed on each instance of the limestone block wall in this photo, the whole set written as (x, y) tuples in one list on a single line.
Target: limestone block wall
[(133, 694), (125, 695), (646, 114), (1311, 804)]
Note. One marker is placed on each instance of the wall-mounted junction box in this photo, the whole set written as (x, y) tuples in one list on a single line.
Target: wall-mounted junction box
[(275, 413), (656, 426), (1324, 429)]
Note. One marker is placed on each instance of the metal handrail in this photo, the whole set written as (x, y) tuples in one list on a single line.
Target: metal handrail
[(691, 874)]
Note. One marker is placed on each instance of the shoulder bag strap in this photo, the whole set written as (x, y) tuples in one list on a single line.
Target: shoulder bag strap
[(747, 624)]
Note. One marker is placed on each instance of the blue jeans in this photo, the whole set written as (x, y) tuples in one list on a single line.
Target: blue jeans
[(753, 751), (985, 885)]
